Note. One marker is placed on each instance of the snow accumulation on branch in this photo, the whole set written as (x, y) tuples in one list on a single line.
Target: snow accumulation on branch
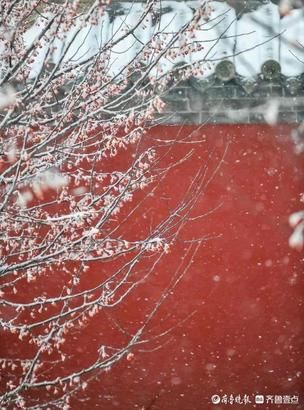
[(79, 88)]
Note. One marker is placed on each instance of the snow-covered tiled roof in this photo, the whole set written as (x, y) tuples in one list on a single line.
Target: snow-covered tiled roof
[(247, 39)]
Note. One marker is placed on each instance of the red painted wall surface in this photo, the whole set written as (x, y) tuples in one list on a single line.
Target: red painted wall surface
[(237, 314)]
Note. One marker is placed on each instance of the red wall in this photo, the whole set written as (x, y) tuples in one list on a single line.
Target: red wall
[(237, 314)]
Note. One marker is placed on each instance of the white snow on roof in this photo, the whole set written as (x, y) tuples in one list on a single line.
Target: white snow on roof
[(248, 41)]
